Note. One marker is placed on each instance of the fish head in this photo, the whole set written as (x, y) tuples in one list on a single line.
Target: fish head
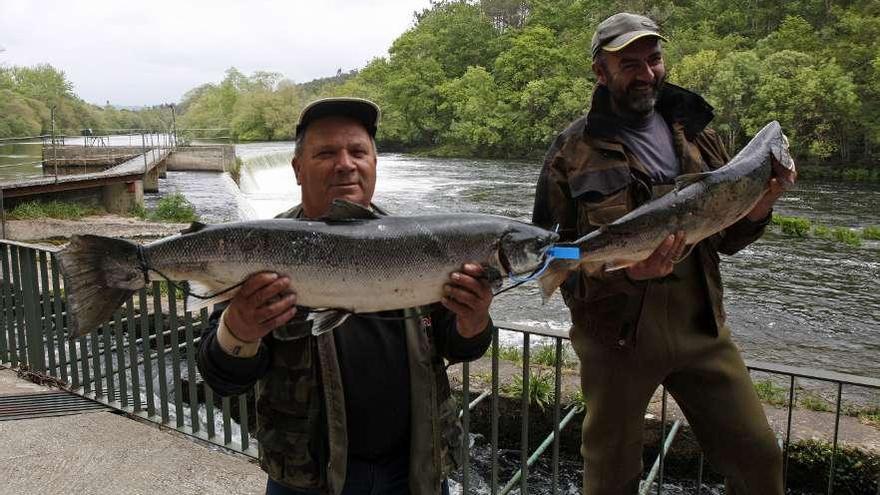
[(523, 247), (783, 163)]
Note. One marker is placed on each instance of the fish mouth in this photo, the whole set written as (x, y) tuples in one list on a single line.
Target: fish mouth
[(504, 261)]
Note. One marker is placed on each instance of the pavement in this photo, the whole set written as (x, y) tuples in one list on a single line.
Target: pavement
[(108, 453)]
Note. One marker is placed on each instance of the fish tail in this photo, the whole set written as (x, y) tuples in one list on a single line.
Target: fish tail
[(557, 272), (100, 274)]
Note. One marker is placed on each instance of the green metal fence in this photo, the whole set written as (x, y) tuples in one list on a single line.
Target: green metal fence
[(142, 362)]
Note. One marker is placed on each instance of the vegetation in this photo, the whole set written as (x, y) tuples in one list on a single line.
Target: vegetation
[(172, 208), (541, 388), (501, 78), (872, 232), (846, 236), (546, 355), (771, 393), (801, 227), (795, 226), (32, 210), (855, 470), (27, 95)]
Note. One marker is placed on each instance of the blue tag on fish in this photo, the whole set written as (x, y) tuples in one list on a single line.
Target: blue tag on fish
[(565, 252)]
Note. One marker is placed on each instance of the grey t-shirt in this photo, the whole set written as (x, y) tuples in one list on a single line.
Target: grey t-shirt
[(651, 142)]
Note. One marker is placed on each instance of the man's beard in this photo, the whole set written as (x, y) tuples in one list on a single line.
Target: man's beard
[(635, 101)]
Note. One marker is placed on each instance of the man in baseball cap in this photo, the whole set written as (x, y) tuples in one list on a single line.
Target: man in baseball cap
[(618, 31), (660, 321)]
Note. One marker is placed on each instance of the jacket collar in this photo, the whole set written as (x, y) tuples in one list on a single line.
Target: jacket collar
[(675, 104)]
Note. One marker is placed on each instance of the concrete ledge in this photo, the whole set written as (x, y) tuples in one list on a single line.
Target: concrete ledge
[(217, 158)]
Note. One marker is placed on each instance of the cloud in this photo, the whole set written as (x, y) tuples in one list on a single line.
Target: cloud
[(140, 53)]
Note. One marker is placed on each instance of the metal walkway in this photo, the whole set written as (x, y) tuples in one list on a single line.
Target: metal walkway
[(130, 170)]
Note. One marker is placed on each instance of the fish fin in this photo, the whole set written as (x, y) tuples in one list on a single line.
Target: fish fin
[(617, 265), (685, 180), (324, 321), (685, 254), (341, 210), (203, 289), (594, 267), (100, 274), (194, 227), (554, 276)]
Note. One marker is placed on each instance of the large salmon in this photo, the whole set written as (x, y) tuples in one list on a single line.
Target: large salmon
[(352, 260), (700, 206)]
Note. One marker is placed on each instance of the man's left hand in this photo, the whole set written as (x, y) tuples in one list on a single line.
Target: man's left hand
[(765, 204), (468, 295)]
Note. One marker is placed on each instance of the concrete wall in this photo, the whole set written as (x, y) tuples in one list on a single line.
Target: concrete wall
[(121, 198), (218, 158), (82, 160)]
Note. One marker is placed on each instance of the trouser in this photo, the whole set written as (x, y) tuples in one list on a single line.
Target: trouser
[(709, 381), (390, 477)]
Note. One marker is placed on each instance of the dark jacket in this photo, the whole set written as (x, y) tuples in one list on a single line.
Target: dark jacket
[(301, 422), (590, 179)]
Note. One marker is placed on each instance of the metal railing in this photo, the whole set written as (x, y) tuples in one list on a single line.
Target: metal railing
[(143, 363)]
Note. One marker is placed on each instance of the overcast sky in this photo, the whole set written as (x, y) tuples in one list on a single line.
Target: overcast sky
[(153, 51)]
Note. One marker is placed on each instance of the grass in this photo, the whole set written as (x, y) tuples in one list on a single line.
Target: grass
[(33, 210), (871, 417), (795, 226), (771, 393), (813, 402), (171, 208), (803, 227), (872, 232), (822, 231), (235, 170), (510, 354), (546, 355), (846, 236), (540, 388)]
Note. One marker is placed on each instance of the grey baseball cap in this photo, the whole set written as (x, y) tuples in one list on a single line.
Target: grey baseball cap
[(364, 111), (619, 30)]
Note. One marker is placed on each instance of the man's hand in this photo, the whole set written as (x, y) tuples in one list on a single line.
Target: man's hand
[(765, 204), (662, 260), (469, 295), (260, 306)]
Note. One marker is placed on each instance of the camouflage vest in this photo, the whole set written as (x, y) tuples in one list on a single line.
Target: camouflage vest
[(301, 424)]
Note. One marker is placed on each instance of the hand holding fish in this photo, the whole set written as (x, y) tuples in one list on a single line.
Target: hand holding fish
[(662, 261), (778, 185), (469, 295), (260, 306)]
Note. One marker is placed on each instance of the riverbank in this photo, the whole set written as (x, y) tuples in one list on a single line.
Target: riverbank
[(57, 231)]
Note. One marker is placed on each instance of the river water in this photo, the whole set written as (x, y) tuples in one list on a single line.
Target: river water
[(804, 302)]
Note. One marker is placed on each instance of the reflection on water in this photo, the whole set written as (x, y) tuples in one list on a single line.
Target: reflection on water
[(805, 302)]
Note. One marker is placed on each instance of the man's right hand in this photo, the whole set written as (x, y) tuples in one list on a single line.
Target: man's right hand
[(261, 305), (662, 260)]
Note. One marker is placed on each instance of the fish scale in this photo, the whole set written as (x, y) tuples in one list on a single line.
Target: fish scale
[(352, 260)]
